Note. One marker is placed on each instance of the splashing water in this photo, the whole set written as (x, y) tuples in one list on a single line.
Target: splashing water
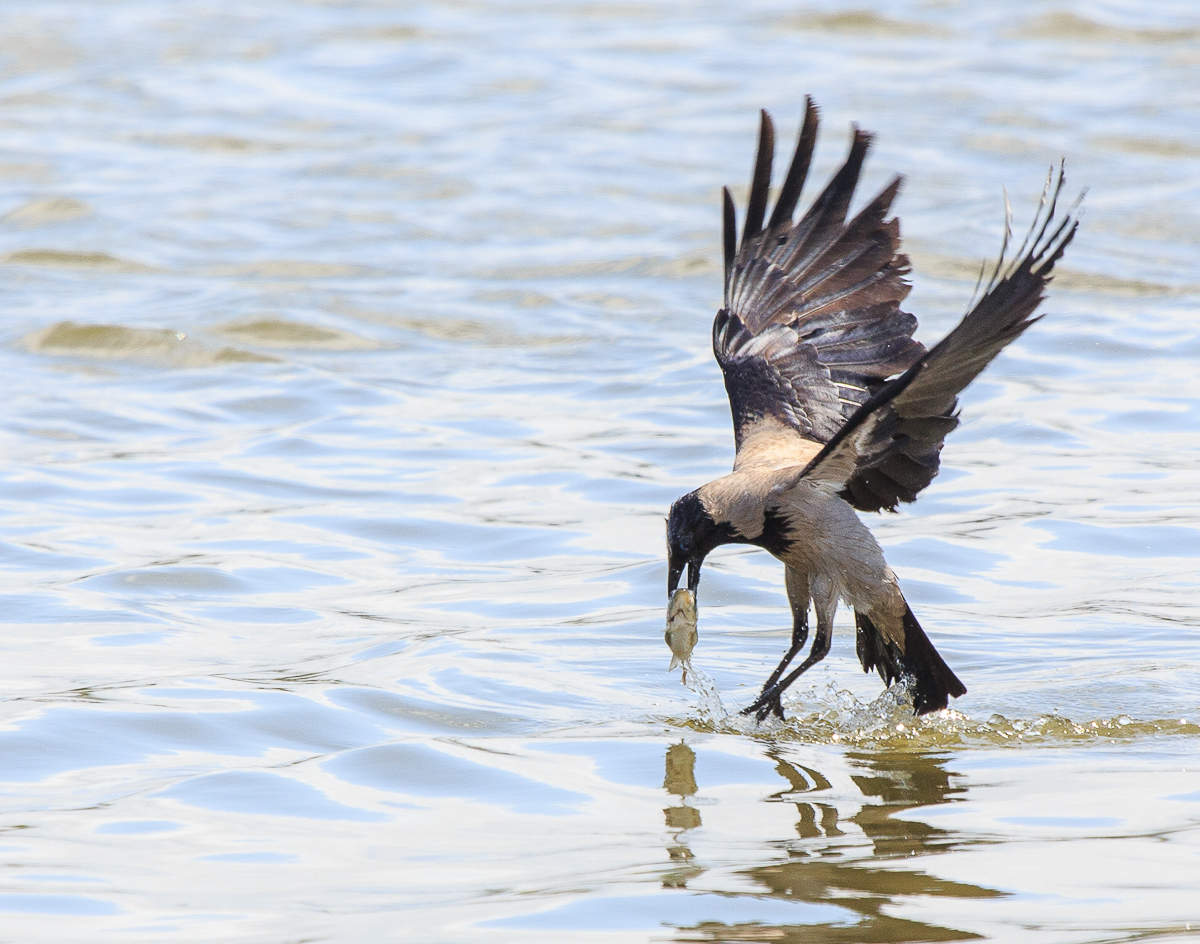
[(887, 722)]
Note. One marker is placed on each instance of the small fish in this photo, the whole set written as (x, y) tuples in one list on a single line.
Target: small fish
[(681, 632)]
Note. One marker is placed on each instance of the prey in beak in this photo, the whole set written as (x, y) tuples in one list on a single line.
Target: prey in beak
[(691, 534), (681, 632)]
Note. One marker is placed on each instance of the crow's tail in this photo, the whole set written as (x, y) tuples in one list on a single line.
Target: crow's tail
[(931, 681)]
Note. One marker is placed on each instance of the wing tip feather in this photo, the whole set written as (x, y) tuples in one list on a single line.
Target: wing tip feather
[(793, 184), (760, 182)]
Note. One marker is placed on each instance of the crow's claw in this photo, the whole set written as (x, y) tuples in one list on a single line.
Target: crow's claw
[(768, 703)]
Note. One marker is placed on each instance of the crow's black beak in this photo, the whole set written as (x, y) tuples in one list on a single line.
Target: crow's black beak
[(676, 561)]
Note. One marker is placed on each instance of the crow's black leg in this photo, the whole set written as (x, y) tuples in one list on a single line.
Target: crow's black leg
[(769, 701), (797, 590), (799, 638)]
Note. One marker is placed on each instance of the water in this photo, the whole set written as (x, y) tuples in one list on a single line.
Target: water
[(353, 353)]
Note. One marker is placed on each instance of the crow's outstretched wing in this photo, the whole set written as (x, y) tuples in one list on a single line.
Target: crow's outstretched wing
[(875, 459), (811, 326)]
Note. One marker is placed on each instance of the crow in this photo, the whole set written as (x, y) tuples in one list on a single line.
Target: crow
[(837, 408)]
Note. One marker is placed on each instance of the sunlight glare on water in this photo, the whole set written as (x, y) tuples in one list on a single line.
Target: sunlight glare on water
[(354, 352)]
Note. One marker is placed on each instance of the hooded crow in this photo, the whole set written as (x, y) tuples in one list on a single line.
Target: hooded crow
[(836, 408)]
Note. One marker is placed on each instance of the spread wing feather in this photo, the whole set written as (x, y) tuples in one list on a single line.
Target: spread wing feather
[(812, 325), (881, 455)]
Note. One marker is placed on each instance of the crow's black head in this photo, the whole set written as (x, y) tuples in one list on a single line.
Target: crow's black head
[(691, 534)]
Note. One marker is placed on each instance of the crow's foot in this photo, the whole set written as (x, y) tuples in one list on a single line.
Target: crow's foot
[(768, 703)]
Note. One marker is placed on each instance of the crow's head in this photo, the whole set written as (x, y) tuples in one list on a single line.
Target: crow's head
[(691, 534)]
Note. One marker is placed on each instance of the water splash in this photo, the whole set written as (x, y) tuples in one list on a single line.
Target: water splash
[(888, 723), (713, 714)]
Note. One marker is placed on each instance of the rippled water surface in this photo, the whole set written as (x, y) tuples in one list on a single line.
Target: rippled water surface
[(352, 354)]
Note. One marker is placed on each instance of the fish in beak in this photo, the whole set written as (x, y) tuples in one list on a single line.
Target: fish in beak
[(681, 634)]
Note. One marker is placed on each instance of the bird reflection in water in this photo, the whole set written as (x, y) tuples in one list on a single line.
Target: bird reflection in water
[(847, 861), (816, 817), (680, 782)]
